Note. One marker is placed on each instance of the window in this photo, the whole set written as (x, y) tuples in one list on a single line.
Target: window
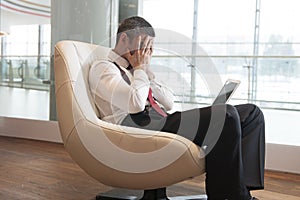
[(254, 41)]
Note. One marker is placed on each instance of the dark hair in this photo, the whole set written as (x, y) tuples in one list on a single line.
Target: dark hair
[(134, 26)]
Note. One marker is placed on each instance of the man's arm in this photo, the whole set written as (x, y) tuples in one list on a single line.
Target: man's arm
[(106, 82), (161, 92), (141, 59)]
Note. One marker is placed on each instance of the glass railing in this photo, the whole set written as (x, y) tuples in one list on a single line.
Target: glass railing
[(274, 83), (30, 72), (275, 86)]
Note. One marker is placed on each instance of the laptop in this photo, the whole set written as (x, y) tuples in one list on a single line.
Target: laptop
[(227, 91)]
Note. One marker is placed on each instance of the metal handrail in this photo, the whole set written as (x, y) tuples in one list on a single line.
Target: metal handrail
[(257, 101), (224, 56), (188, 56), (8, 56)]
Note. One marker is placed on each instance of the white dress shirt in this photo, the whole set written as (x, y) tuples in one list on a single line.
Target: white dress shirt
[(115, 98)]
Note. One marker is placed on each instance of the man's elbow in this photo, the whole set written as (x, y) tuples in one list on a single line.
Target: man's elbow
[(136, 108), (169, 105)]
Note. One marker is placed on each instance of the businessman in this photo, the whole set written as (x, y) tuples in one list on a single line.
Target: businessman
[(127, 93)]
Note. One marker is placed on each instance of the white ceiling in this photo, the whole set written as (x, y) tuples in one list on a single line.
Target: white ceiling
[(20, 12), (39, 8)]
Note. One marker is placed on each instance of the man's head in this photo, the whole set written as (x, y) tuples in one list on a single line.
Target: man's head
[(132, 33), (135, 26)]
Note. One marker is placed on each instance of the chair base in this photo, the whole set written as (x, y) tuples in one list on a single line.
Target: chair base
[(155, 194)]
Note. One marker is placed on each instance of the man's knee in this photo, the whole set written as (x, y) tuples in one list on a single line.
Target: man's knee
[(231, 112), (256, 112), (250, 112), (232, 121)]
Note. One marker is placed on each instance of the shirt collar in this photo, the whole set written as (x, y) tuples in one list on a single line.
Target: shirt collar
[(114, 57)]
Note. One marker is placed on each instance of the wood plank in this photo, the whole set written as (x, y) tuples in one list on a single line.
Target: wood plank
[(36, 170)]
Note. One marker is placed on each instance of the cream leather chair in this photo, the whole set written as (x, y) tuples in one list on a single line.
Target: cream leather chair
[(117, 156)]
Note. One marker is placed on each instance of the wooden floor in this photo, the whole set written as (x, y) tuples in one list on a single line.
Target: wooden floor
[(35, 170)]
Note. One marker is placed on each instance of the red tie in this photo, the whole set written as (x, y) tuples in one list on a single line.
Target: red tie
[(154, 105)]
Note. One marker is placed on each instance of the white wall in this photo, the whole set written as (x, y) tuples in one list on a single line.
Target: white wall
[(30, 129)]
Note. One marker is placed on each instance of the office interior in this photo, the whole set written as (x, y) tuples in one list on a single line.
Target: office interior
[(255, 41)]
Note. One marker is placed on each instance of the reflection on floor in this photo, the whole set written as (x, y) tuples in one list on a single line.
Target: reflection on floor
[(24, 103)]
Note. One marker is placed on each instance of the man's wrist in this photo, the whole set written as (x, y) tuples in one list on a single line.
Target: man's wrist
[(141, 75), (150, 74), (137, 68), (142, 67)]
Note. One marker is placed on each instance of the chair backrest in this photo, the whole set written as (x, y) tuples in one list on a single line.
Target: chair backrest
[(78, 57), (111, 153)]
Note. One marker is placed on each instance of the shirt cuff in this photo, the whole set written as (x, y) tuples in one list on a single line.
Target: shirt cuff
[(141, 74)]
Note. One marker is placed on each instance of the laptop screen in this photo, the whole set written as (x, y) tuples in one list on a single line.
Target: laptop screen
[(226, 92)]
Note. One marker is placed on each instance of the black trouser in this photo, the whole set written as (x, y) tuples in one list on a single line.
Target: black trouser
[(233, 137)]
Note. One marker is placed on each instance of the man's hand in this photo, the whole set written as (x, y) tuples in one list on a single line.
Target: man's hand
[(140, 57)]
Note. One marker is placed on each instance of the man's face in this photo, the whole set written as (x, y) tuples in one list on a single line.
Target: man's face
[(137, 43)]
